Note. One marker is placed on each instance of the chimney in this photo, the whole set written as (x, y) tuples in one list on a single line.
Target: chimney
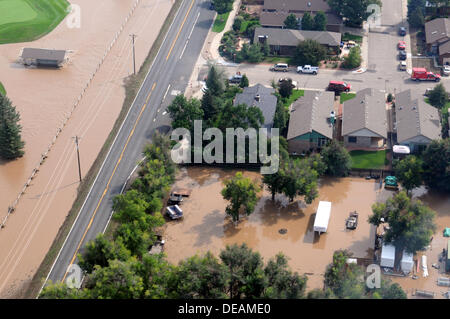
[(257, 97)]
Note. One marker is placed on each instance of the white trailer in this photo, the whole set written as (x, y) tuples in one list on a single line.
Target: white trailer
[(407, 262), (322, 217), (387, 256)]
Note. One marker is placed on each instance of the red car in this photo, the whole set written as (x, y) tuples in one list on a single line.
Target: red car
[(338, 87), (401, 45)]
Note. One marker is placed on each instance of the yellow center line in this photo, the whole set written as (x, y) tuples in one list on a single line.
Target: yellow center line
[(179, 31), (109, 181)]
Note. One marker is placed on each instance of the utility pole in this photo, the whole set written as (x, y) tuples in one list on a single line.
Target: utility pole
[(133, 36), (78, 155)]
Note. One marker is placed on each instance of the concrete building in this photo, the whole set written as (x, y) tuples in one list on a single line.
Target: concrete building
[(364, 120), (310, 124), (417, 123)]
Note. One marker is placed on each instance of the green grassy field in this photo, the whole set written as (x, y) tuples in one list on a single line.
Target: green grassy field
[(347, 96), (2, 89), (368, 160), (219, 23), (28, 20), (296, 94)]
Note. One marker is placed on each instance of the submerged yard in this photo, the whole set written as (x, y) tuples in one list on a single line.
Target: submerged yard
[(205, 226)]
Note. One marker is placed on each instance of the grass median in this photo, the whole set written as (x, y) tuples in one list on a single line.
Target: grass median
[(220, 22), (132, 86)]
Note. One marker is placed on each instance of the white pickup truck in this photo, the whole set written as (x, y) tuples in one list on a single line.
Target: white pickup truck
[(308, 69)]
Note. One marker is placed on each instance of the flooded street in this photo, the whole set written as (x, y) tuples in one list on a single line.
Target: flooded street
[(206, 227), (44, 98)]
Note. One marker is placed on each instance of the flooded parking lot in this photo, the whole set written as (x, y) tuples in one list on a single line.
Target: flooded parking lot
[(206, 227)]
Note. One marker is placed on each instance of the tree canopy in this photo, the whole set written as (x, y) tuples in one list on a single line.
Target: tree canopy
[(291, 22), (309, 52), (337, 159), (436, 165), (11, 144), (409, 172)]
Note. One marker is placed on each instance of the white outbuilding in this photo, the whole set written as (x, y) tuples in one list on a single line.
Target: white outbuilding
[(407, 262), (387, 256)]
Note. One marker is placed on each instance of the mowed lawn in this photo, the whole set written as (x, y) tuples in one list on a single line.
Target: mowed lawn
[(368, 160), (28, 20), (220, 22)]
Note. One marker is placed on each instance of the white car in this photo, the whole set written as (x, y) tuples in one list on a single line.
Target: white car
[(308, 69), (446, 70)]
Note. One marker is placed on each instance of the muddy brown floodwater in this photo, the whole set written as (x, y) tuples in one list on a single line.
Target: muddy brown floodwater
[(44, 98), (206, 227)]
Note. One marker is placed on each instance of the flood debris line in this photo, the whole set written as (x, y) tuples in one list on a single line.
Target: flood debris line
[(13, 206)]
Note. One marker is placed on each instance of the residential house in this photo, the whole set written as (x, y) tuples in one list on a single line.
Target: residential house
[(261, 97), (417, 122), (284, 41), (437, 33), (311, 121), (364, 120), (275, 12)]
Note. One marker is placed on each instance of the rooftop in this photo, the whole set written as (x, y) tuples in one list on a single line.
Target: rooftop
[(287, 37)]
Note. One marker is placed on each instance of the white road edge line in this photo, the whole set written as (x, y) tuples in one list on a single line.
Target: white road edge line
[(189, 37), (107, 155), (165, 94)]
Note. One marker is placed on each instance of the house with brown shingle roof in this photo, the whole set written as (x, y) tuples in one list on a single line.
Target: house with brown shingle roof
[(275, 12), (437, 34), (310, 126), (417, 122), (364, 120), (284, 41)]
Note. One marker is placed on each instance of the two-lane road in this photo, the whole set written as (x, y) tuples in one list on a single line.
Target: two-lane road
[(168, 76)]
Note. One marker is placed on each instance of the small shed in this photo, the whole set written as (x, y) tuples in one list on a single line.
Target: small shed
[(43, 57), (407, 262), (387, 256), (322, 217)]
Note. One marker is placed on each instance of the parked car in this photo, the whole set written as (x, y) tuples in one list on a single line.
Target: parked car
[(351, 44), (308, 69), (401, 45), (174, 212), (338, 87), (402, 66), (446, 70), (294, 83), (402, 31), (236, 79), (281, 67), (402, 55), (421, 74)]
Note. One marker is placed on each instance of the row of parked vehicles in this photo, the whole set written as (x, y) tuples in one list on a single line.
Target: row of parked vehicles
[(284, 67)]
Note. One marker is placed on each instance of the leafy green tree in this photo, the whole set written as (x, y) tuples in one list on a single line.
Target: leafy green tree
[(60, 290), (285, 88), (100, 251), (245, 269), (211, 106), (438, 97), (201, 277), (299, 179), (321, 294), (238, 23), (156, 274), (337, 159), (353, 59), (11, 144), (344, 280), (242, 194), (117, 281), (417, 19), (320, 21), (411, 223), (223, 6), (355, 11), (281, 282), (291, 22), (281, 117), (307, 22), (409, 172), (214, 81), (391, 290), (244, 82), (309, 52), (436, 165), (255, 53), (242, 115), (184, 112)]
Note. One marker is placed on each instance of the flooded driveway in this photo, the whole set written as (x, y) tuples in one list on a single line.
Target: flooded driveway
[(206, 227)]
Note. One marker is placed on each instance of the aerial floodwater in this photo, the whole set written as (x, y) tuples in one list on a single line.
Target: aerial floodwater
[(44, 98), (206, 227)]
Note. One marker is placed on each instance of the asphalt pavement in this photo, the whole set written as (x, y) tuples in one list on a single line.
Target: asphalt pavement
[(167, 77)]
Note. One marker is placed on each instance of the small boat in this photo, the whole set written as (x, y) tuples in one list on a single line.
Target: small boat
[(352, 221)]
